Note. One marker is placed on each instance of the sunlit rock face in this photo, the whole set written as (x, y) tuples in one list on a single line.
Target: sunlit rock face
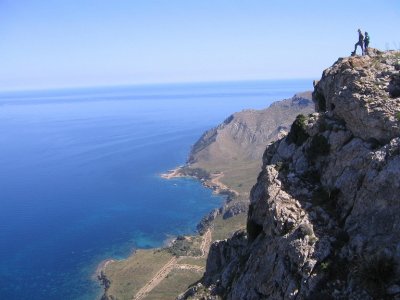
[(324, 216)]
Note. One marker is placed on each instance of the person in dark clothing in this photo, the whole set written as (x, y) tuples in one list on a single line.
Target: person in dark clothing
[(366, 42), (359, 43)]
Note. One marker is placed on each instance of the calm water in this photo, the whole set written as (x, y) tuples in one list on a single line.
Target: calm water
[(79, 176)]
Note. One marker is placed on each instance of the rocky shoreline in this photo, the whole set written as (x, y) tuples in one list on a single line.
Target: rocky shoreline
[(211, 181), (101, 277)]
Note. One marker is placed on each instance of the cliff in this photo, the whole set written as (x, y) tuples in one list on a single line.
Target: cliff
[(245, 134), (225, 158), (235, 147), (323, 221)]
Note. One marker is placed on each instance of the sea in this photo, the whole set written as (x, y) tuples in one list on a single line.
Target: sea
[(80, 176)]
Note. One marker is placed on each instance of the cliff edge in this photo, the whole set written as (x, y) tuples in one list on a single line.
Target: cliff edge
[(235, 147), (324, 219)]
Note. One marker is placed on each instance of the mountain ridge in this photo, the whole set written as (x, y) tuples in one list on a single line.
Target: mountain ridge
[(323, 219), (239, 141), (127, 277)]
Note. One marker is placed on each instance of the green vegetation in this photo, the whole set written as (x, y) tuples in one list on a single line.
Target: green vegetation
[(175, 283), (196, 172), (325, 265), (186, 246), (320, 101), (199, 261), (239, 175), (298, 134), (223, 229), (398, 116), (319, 146), (128, 276)]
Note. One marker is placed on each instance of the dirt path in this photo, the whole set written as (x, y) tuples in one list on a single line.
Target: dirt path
[(173, 264), (164, 271), (205, 244), (189, 267)]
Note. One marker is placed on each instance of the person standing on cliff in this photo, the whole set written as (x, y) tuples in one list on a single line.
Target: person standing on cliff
[(366, 43), (359, 43)]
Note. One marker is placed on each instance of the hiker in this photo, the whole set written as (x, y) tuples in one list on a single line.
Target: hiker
[(359, 43), (366, 42)]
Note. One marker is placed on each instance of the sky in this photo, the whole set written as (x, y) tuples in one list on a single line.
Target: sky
[(72, 43)]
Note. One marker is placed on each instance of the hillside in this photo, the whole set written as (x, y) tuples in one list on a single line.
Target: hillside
[(324, 218), (235, 147), (242, 138)]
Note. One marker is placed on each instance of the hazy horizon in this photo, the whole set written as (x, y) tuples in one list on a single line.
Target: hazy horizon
[(148, 84), (47, 45)]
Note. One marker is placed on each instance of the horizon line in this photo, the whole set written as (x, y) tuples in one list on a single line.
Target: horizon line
[(76, 87)]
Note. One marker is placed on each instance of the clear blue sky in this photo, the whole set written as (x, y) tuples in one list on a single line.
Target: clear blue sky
[(46, 44)]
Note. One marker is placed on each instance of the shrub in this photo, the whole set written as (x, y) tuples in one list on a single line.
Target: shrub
[(282, 166), (325, 265), (298, 134), (398, 116), (319, 146), (321, 102)]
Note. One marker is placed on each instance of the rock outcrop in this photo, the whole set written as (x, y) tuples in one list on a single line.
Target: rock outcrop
[(324, 217), (244, 135)]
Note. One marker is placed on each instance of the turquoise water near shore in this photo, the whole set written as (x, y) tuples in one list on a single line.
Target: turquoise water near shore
[(79, 176)]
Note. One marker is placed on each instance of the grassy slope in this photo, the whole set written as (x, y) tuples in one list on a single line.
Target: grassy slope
[(129, 276), (176, 282), (238, 175)]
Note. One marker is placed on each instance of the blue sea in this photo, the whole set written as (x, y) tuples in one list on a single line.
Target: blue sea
[(79, 176)]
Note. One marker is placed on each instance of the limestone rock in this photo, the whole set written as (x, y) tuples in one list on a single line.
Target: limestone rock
[(245, 134), (363, 91), (324, 221)]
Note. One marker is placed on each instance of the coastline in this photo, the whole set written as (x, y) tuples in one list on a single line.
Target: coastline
[(103, 265), (210, 181)]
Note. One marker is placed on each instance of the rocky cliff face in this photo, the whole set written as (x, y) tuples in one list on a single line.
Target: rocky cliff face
[(324, 218), (233, 149), (245, 134)]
